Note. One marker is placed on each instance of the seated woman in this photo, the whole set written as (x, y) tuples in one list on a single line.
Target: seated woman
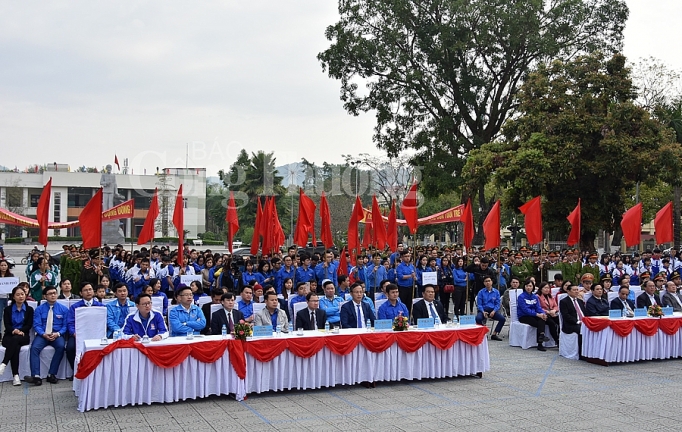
[(596, 305), (197, 290), (607, 285), (551, 308), (530, 312), (18, 320)]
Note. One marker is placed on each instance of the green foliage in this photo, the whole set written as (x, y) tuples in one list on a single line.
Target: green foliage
[(442, 76), (579, 135)]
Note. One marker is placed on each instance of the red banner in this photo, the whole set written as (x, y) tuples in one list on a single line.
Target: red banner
[(122, 211), (453, 214)]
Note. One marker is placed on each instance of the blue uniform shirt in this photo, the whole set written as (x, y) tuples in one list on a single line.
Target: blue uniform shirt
[(388, 311)]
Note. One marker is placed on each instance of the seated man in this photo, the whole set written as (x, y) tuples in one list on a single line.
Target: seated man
[(425, 308), (118, 310), (216, 298), (331, 303), (392, 307), (186, 317), (282, 303), (226, 316), (246, 303), (488, 304), (312, 317), (88, 299), (272, 315), (672, 298), (623, 302), (145, 322), (572, 309), (355, 313), (302, 291), (49, 323), (648, 297)]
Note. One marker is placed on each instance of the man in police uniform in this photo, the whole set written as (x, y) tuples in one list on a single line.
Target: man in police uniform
[(591, 266)]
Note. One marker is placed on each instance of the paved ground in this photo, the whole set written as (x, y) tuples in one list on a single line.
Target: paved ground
[(525, 390)]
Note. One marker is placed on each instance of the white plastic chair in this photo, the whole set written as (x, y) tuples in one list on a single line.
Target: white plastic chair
[(612, 295), (378, 303), (520, 334), (203, 300), (415, 300), (214, 308), (568, 348), (297, 307), (257, 307), (157, 304)]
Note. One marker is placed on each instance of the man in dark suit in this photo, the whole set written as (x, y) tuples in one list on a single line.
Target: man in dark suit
[(623, 302), (671, 297), (572, 311), (227, 315), (648, 297), (350, 310), (422, 307), (216, 295), (312, 317)]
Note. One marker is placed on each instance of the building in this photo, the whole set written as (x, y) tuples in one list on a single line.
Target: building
[(71, 191)]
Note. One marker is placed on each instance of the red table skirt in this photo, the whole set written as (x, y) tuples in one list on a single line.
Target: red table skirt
[(623, 327), (264, 350)]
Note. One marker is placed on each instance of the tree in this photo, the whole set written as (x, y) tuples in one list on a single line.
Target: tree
[(389, 177), (442, 75), (579, 135), (251, 177)]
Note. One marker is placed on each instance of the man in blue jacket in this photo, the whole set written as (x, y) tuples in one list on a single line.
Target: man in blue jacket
[(488, 303), (327, 269), (49, 323), (331, 303), (145, 322), (118, 310), (88, 299), (186, 317)]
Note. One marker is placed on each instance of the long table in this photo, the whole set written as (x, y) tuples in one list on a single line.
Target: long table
[(631, 339), (130, 373)]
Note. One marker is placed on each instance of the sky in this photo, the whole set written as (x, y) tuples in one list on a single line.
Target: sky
[(83, 81)]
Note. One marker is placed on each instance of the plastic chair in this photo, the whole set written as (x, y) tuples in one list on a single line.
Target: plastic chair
[(298, 307), (379, 303)]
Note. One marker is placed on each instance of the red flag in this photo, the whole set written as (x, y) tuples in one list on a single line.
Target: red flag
[(305, 224), (468, 221), (278, 233), (353, 240), (326, 229), (409, 208), (532, 211), (232, 221), (43, 213), (378, 228), (117, 165), (179, 222), (392, 231), (255, 239), (632, 225), (266, 227), (343, 264), (574, 220), (90, 221), (148, 229), (367, 235), (663, 224), (491, 227)]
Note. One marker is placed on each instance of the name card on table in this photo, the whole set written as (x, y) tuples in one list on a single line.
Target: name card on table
[(383, 324), (7, 284), (467, 320), (615, 313), (667, 311), (640, 312), (262, 331), (425, 323)]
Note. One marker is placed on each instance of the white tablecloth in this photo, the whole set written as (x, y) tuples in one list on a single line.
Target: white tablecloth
[(610, 347), (128, 377), (326, 369)]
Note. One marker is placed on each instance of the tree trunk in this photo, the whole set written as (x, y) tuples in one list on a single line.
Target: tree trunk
[(587, 241), (479, 238), (676, 217)]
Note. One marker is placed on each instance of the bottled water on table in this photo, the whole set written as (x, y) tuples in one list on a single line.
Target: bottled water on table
[(224, 331)]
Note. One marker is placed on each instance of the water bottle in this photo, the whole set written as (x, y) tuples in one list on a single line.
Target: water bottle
[(117, 335), (291, 328), (224, 331), (326, 326), (279, 330), (437, 322), (368, 325)]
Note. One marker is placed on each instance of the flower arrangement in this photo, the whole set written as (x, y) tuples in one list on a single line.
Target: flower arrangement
[(242, 330), (400, 323), (655, 311)]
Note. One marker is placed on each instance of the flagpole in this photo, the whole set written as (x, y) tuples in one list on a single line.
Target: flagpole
[(414, 279)]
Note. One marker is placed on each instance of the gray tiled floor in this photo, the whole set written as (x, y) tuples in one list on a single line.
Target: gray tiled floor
[(525, 390)]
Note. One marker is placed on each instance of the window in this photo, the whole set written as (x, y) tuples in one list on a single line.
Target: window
[(184, 203), (34, 200), (79, 197), (56, 208)]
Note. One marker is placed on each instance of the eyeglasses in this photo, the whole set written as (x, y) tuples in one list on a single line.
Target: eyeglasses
[(145, 304), (185, 295)]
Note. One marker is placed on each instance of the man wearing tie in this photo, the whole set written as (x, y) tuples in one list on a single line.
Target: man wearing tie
[(355, 313), (623, 302), (226, 316), (88, 299), (428, 307), (648, 297), (49, 323), (572, 310), (312, 317), (672, 298)]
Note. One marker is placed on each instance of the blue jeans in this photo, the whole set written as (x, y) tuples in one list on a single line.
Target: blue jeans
[(497, 317), (39, 343)]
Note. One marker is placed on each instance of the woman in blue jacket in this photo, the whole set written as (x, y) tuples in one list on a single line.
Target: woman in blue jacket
[(530, 312)]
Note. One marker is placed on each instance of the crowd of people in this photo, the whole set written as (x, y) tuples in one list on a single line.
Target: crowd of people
[(447, 283)]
